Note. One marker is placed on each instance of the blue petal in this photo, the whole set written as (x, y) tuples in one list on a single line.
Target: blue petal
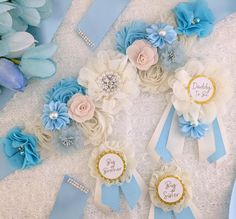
[(31, 3), (37, 68)]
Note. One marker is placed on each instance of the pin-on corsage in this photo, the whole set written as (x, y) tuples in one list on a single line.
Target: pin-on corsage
[(200, 91), (170, 191), (113, 165)]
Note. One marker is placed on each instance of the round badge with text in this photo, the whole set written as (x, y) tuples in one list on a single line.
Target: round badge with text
[(111, 165), (201, 89), (170, 190)]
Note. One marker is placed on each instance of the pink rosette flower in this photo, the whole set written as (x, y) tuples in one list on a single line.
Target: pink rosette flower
[(142, 55), (80, 108)]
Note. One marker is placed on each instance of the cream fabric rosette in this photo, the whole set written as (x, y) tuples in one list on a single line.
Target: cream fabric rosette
[(126, 154), (154, 79), (184, 102), (184, 198), (111, 81), (98, 128)]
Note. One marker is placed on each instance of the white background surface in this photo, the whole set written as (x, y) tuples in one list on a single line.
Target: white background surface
[(31, 194)]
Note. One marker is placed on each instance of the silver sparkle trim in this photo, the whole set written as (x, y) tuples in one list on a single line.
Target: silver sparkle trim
[(89, 42), (77, 185), (109, 83)]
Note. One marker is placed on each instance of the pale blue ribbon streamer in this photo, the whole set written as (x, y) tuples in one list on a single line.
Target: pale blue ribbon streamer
[(186, 213), (5, 95), (43, 34), (163, 152), (222, 8), (70, 202), (48, 27), (219, 143), (162, 141), (232, 207), (5, 167), (111, 194), (99, 18)]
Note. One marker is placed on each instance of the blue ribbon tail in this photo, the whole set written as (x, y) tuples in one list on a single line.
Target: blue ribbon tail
[(160, 214), (132, 192), (5, 95), (71, 200), (111, 196), (221, 9), (232, 209), (186, 213), (5, 167), (48, 27), (98, 19), (161, 144), (219, 143)]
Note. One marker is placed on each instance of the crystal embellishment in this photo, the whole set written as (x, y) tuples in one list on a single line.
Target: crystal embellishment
[(109, 83)]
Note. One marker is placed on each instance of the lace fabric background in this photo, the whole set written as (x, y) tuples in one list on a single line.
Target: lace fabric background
[(31, 194)]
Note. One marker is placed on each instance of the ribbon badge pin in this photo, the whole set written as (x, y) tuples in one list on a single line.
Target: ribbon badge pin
[(114, 166)]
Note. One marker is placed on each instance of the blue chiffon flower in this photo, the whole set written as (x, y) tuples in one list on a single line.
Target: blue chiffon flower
[(69, 140), (10, 76), (172, 56), (55, 116), (129, 34), (193, 131), (21, 148), (194, 18), (64, 90), (161, 34)]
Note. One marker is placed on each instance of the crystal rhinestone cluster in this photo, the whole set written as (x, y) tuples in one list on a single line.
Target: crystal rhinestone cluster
[(67, 141), (109, 83)]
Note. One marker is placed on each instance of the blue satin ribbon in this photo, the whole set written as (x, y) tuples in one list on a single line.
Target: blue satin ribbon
[(98, 19), (5, 167), (5, 95), (222, 8), (111, 194), (161, 144), (219, 143), (48, 27), (186, 213), (71, 200), (232, 208)]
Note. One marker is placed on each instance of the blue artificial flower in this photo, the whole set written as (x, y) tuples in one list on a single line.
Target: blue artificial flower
[(129, 34), (21, 148), (36, 61), (172, 56), (69, 140), (64, 90), (160, 34), (55, 116), (194, 131), (10, 76), (194, 18)]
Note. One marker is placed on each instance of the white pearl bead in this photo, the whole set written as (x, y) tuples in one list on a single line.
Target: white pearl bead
[(53, 115), (162, 33)]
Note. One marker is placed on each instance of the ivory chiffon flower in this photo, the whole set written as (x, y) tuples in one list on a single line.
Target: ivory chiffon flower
[(154, 80), (98, 128), (80, 108), (142, 55), (111, 81), (200, 90)]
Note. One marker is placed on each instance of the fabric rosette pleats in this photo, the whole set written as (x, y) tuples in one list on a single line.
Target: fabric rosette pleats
[(113, 166), (198, 98), (171, 194)]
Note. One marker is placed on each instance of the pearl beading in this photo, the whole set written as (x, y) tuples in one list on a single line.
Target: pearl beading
[(89, 42), (77, 185)]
